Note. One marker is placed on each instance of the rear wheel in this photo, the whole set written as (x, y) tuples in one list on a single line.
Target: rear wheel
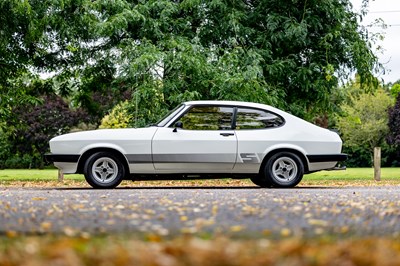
[(283, 170), (104, 170)]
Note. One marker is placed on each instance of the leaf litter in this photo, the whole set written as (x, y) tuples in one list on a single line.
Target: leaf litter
[(186, 250)]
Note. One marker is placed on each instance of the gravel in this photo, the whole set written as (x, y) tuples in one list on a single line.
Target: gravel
[(243, 212)]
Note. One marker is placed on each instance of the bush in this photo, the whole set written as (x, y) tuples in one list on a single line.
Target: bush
[(394, 123), (4, 148), (25, 161), (147, 106), (362, 156), (33, 126), (119, 117)]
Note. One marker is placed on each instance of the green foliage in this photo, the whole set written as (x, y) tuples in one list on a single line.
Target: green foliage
[(119, 117), (18, 92), (16, 39), (361, 156), (364, 124), (82, 126), (239, 76), (34, 125), (149, 104), (25, 161), (394, 123), (287, 53), (395, 90), (283, 49), (4, 147), (10, 158)]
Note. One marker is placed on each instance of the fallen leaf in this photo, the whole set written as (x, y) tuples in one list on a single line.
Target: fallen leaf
[(237, 228), (214, 210), (317, 222), (11, 234), (39, 198), (45, 225), (285, 232)]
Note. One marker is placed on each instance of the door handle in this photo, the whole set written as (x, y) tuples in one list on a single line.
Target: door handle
[(226, 134)]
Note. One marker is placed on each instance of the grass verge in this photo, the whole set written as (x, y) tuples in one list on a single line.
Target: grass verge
[(350, 177)]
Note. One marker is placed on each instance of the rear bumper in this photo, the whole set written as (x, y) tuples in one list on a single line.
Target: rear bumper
[(321, 158)]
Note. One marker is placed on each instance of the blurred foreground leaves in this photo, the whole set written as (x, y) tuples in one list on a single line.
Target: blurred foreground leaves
[(117, 250)]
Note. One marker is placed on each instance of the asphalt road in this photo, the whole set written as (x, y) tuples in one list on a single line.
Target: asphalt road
[(245, 212)]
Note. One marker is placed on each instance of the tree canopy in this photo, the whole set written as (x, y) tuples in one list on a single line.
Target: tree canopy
[(289, 53)]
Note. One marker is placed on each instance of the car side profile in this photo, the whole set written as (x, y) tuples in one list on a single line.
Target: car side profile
[(203, 139)]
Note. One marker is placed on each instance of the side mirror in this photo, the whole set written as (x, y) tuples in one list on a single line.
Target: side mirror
[(177, 125)]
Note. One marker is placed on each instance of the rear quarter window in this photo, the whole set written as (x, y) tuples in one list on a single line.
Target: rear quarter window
[(249, 118)]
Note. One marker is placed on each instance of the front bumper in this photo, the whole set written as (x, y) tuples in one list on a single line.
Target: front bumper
[(67, 163), (61, 158)]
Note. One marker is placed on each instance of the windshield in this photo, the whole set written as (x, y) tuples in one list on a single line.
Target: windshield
[(170, 115)]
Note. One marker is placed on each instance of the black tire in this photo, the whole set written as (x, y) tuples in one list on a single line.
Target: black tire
[(261, 181), (104, 170), (283, 170)]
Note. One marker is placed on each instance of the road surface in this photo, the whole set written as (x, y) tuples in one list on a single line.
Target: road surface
[(170, 211)]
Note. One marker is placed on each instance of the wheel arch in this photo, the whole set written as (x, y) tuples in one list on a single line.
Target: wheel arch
[(290, 150), (85, 156)]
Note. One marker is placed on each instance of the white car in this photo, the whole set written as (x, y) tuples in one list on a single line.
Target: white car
[(203, 139)]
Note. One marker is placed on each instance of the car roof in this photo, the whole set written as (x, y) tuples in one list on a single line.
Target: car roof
[(231, 103)]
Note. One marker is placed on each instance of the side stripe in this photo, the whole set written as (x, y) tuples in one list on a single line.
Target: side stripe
[(181, 158)]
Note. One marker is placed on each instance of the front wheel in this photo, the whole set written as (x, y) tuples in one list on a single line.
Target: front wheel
[(261, 181), (283, 170), (104, 170)]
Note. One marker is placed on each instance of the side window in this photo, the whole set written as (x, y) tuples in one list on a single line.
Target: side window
[(248, 118), (208, 118)]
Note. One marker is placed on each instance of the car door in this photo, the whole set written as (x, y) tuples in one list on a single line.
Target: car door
[(256, 131), (204, 143)]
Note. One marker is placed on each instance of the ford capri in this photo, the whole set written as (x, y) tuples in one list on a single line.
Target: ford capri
[(203, 139)]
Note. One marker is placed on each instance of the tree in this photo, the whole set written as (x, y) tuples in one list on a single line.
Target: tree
[(290, 54), (18, 48), (394, 123), (119, 117), (395, 90), (365, 121)]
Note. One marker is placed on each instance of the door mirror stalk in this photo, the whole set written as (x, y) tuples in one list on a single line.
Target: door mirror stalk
[(177, 125)]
